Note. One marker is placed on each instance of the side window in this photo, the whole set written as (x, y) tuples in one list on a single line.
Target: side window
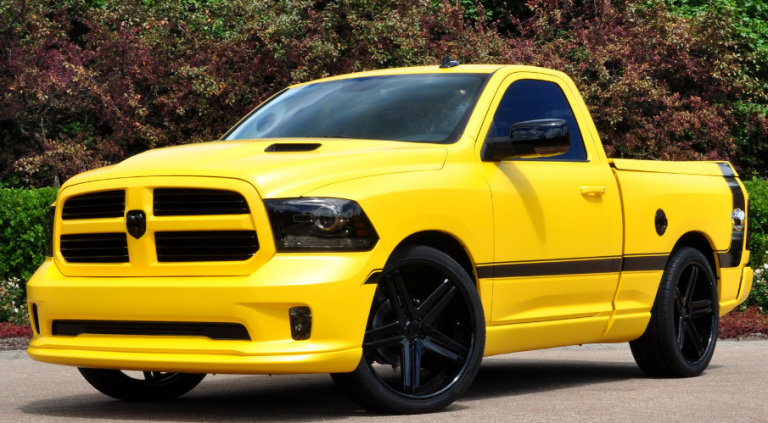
[(529, 99)]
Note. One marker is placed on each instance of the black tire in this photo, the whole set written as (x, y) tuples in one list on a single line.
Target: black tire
[(155, 386), (681, 336), (436, 321)]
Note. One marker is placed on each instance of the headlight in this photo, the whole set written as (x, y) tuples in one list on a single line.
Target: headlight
[(49, 217), (312, 224)]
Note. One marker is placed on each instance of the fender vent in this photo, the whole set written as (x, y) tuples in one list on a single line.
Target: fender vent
[(95, 206), (282, 148), (95, 248), (206, 246), (197, 202)]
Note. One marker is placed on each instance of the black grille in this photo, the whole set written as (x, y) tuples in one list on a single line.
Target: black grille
[(95, 248), (95, 206), (206, 246), (278, 148), (196, 202), (107, 327)]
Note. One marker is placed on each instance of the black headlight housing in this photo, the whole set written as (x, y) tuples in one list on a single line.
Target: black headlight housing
[(320, 224), (49, 219)]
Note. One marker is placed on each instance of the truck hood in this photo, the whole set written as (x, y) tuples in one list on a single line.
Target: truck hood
[(278, 174)]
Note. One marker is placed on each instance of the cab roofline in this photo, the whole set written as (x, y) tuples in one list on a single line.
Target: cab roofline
[(410, 71)]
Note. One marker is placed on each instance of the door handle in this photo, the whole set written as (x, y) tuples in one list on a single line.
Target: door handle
[(592, 191)]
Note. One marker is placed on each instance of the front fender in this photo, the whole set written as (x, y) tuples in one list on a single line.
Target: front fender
[(455, 200)]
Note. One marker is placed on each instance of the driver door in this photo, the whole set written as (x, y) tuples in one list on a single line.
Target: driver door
[(558, 227)]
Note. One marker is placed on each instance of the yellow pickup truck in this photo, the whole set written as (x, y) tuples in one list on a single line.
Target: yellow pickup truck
[(391, 228)]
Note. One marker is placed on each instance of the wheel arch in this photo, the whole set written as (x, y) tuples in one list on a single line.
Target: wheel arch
[(699, 241), (446, 243)]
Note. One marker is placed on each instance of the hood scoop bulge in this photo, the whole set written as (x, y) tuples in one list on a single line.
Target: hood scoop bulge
[(286, 147)]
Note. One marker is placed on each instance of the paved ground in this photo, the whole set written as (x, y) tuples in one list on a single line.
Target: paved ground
[(589, 383)]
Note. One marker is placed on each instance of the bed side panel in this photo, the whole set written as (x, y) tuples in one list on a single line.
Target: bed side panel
[(691, 203)]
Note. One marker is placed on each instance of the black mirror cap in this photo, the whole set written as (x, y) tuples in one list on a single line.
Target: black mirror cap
[(528, 140)]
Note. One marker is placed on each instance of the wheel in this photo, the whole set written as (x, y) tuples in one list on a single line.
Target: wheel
[(425, 336), (153, 386), (682, 333)]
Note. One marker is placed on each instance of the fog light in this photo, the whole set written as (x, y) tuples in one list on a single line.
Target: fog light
[(301, 323)]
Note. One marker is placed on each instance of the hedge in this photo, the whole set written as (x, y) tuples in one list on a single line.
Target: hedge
[(758, 197), (22, 235)]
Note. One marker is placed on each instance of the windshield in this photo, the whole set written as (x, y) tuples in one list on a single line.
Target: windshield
[(418, 108)]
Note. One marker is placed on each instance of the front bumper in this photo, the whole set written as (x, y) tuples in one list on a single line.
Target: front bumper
[(332, 286)]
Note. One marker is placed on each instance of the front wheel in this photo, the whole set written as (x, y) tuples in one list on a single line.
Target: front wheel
[(681, 335), (425, 336), (148, 386)]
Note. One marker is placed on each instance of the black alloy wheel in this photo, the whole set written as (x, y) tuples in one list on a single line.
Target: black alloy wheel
[(420, 334), (694, 314), (147, 386), (424, 341), (682, 333)]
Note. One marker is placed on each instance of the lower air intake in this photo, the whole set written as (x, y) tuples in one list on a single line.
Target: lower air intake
[(233, 331)]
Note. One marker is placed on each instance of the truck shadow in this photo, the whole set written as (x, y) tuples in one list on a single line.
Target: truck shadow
[(314, 397)]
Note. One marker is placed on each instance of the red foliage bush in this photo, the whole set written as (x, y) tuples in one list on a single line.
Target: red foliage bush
[(659, 86), (738, 324), (89, 86), (9, 330)]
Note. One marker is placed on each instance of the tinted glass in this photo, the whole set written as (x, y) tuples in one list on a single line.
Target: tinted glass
[(417, 108), (529, 99)]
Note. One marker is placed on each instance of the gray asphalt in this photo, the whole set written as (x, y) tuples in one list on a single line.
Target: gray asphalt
[(590, 383)]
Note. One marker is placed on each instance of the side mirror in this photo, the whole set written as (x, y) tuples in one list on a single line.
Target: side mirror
[(529, 140)]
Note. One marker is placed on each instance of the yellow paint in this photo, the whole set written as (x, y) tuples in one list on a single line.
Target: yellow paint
[(507, 212), (533, 299)]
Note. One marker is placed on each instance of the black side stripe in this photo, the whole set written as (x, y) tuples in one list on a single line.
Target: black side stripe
[(644, 263), (485, 272), (574, 267), (550, 268), (732, 257)]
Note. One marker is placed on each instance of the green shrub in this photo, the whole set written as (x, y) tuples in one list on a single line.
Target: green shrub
[(22, 234), (758, 222)]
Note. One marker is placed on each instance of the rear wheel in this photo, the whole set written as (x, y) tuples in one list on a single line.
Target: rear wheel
[(425, 336), (141, 386), (682, 333)]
